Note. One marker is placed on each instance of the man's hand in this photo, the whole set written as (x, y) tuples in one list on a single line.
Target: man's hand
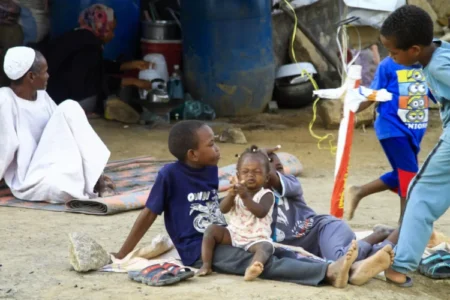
[(136, 65), (142, 84), (269, 151)]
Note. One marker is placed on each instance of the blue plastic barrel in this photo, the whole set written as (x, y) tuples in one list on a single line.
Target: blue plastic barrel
[(227, 54), (64, 17)]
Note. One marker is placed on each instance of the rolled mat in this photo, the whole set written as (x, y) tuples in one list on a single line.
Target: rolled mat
[(134, 179)]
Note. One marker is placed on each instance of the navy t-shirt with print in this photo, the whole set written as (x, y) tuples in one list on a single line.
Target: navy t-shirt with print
[(188, 197)]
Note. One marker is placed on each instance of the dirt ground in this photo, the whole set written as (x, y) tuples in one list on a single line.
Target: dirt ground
[(34, 244)]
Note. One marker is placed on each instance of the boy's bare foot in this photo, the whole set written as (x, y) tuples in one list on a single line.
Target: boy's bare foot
[(363, 271), (353, 194), (338, 272), (204, 271), (253, 271)]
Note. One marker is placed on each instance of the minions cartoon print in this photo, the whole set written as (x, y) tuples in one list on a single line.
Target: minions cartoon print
[(413, 99)]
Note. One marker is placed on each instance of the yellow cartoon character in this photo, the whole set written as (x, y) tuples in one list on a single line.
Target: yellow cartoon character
[(417, 88), (417, 102), (415, 75), (415, 116)]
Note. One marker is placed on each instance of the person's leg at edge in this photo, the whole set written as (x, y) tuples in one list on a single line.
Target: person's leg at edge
[(214, 235), (69, 129), (335, 239), (357, 193), (407, 166), (427, 201), (262, 252)]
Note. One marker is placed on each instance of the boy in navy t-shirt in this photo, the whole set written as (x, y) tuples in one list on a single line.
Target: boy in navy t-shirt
[(186, 191), (400, 127)]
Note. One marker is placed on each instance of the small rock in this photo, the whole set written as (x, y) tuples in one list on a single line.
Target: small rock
[(233, 135), (75, 286), (125, 126), (330, 112)]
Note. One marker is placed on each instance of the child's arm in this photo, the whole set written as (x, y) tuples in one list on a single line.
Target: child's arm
[(259, 210), (228, 202), (289, 186), (143, 222), (155, 206), (380, 81)]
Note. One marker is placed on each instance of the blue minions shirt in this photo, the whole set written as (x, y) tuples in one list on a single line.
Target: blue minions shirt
[(406, 115)]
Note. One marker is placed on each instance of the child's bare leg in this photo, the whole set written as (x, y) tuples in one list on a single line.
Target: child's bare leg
[(213, 235), (376, 237), (263, 251), (357, 193)]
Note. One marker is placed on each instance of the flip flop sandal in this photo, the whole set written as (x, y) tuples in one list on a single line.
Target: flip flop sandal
[(436, 266), (181, 272), (154, 275), (407, 284), (444, 255)]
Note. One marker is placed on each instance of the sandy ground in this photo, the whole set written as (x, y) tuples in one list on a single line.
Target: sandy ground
[(34, 244)]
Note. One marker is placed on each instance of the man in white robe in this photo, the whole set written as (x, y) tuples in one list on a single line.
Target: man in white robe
[(47, 152)]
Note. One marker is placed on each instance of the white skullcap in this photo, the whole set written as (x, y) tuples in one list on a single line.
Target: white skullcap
[(18, 61)]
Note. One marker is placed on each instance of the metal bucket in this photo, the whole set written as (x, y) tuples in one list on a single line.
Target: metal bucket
[(160, 30)]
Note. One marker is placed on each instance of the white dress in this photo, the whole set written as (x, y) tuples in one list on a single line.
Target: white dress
[(48, 152), (245, 228)]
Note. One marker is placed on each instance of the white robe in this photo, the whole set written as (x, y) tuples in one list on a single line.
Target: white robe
[(48, 152)]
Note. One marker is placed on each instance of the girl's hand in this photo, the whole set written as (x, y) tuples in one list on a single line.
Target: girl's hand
[(241, 189)]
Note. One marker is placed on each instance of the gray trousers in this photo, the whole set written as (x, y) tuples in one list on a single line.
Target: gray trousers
[(305, 271)]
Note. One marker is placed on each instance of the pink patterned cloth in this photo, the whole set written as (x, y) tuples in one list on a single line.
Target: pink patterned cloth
[(245, 228)]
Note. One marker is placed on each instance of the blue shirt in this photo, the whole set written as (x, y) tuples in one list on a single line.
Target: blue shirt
[(406, 115), (437, 73), (188, 197)]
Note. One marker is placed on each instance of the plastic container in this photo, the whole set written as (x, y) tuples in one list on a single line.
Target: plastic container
[(170, 49), (160, 30), (228, 59), (175, 85), (64, 17), (160, 64)]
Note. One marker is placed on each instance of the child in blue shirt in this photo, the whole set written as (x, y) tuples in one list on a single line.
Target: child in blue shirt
[(408, 36), (400, 127)]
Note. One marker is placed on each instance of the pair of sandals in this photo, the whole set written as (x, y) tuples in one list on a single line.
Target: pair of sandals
[(161, 275)]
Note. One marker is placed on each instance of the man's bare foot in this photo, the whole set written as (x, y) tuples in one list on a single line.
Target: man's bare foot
[(338, 272), (395, 276), (363, 271), (253, 271), (204, 271), (353, 195), (384, 229), (105, 187)]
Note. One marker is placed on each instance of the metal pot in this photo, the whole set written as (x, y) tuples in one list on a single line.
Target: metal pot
[(160, 30)]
